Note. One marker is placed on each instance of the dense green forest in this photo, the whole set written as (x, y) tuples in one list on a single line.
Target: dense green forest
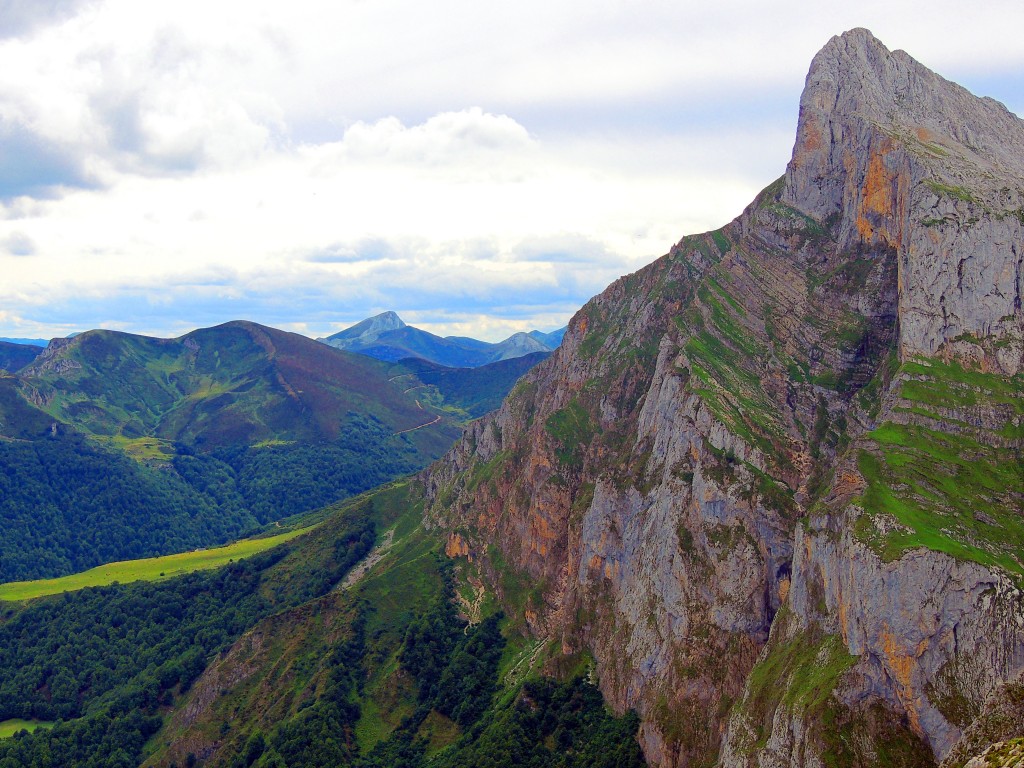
[(69, 503), (543, 724), (473, 391), (115, 446), (115, 667), (107, 661)]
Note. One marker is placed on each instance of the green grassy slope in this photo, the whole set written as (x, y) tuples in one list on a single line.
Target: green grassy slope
[(298, 671), (948, 466), (193, 442), (235, 383), (466, 392), (145, 569), (10, 727)]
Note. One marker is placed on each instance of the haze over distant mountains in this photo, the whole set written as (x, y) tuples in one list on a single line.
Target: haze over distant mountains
[(30, 342), (387, 337), (14, 356)]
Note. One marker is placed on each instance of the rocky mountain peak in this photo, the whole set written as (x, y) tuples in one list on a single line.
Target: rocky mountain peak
[(753, 458), (390, 320), (856, 86), (367, 331), (385, 321), (892, 157)]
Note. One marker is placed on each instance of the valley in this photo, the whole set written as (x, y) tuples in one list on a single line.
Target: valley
[(762, 506), (221, 432)]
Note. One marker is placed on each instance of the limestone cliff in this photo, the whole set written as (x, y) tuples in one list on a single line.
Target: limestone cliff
[(772, 481)]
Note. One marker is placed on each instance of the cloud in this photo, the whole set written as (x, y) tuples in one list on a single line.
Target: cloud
[(564, 248), (18, 244), (366, 249), (18, 17), (440, 139), (30, 165), (174, 165)]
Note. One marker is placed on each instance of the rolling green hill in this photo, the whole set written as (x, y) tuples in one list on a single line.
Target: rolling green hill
[(231, 384), (120, 446), (466, 392)]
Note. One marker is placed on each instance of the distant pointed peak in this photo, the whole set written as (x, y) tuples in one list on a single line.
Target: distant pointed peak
[(388, 319), (366, 331)]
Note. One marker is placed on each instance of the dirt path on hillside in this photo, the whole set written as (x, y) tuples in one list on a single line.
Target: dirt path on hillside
[(472, 608), (421, 426), (363, 567)]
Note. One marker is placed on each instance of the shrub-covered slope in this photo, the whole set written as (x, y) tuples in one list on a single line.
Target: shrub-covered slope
[(294, 657)]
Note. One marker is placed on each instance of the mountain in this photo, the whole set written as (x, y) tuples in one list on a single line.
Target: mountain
[(472, 391), (550, 340), (767, 495), (30, 342), (299, 656), (237, 382), (14, 357), (773, 482), (117, 446), (517, 345), (388, 337), (366, 332)]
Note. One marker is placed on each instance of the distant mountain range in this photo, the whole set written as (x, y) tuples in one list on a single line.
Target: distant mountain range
[(388, 337), (30, 342), (117, 445)]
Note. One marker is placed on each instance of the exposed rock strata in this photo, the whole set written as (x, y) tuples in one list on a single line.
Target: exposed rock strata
[(647, 481)]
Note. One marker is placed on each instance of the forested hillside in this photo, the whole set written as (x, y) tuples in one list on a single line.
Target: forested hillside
[(122, 446), (272, 662)]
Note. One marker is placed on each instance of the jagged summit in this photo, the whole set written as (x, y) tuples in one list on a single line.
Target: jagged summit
[(856, 84), (889, 154), (855, 74)]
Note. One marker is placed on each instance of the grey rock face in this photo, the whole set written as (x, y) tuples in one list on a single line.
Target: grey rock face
[(901, 156), (649, 476), (926, 627)]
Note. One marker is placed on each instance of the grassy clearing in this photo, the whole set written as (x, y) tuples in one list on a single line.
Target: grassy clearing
[(142, 449), (10, 727), (147, 569)]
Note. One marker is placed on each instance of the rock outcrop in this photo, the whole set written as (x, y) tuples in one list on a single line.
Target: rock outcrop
[(772, 482), (900, 156)]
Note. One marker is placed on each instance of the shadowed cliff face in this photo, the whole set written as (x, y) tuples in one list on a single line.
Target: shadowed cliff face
[(772, 481)]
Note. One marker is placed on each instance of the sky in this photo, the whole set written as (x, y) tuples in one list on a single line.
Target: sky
[(481, 168)]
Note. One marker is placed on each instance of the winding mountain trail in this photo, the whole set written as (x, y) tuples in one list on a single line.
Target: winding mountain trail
[(421, 426)]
